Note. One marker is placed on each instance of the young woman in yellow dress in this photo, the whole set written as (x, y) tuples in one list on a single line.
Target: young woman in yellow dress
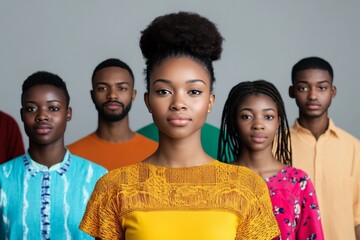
[(180, 192)]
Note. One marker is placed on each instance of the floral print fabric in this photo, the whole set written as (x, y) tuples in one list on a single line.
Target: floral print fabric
[(295, 205)]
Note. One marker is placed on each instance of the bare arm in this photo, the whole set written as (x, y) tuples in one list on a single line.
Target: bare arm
[(357, 232)]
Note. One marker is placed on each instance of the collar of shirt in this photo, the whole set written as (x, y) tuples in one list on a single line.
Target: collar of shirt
[(332, 129), (35, 167)]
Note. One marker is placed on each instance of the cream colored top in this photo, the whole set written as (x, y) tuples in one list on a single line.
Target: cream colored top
[(333, 164)]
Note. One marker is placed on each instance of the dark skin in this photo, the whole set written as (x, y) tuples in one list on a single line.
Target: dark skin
[(179, 100), (257, 122), (45, 114), (113, 90), (313, 91)]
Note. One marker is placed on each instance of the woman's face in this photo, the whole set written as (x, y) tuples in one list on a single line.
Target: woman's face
[(179, 96), (45, 114), (257, 122)]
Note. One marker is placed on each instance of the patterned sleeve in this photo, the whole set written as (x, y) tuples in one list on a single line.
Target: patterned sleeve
[(260, 222), (101, 216), (309, 225)]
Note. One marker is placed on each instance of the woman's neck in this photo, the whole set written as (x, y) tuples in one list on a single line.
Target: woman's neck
[(261, 162), (185, 152), (47, 155)]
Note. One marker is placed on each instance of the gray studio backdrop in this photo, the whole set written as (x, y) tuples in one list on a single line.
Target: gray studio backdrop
[(263, 39)]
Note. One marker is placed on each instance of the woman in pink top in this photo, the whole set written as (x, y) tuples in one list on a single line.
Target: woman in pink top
[(254, 133)]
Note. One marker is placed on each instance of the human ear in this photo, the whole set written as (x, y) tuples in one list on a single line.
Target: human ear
[(146, 100), (333, 91), (133, 95), (291, 92), (211, 102), (68, 113)]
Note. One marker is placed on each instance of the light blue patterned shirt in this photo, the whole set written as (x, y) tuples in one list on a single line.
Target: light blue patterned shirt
[(37, 202)]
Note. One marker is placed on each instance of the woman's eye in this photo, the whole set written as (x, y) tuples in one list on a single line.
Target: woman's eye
[(195, 92), (163, 92), (269, 117), (246, 117)]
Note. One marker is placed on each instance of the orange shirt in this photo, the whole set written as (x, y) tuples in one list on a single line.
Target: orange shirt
[(333, 164), (112, 155)]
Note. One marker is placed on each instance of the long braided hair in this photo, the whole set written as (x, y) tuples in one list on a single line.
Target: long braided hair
[(229, 143)]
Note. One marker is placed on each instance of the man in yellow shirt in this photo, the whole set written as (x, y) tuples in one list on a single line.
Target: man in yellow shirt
[(327, 153)]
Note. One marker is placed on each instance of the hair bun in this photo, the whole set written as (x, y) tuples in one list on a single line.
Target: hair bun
[(184, 31)]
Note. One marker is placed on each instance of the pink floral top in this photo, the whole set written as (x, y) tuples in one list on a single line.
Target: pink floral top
[(295, 205)]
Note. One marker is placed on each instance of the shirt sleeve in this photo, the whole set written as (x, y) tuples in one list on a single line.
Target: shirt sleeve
[(309, 225), (259, 222), (101, 218), (11, 139)]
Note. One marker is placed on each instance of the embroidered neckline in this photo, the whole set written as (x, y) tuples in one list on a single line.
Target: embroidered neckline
[(65, 164), (150, 165)]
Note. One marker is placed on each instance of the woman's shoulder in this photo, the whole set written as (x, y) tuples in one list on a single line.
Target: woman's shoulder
[(239, 171), (245, 178), (295, 173), (295, 177)]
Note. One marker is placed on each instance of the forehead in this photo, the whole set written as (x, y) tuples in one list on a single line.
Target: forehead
[(257, 100), (116, 74), (180, 69), (44, 92), (313, 76)]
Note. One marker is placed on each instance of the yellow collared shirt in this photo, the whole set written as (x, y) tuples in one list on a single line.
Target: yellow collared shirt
[(333, 164)]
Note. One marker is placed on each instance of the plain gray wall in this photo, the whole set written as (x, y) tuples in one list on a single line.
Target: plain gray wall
[(263, 39)]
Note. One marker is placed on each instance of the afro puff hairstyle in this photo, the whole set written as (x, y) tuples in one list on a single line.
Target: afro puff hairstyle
[(181, 34)]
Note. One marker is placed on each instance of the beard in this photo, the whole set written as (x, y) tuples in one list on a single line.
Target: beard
[(111, 116)]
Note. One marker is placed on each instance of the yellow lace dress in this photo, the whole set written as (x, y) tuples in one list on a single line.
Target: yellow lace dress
[(215, 201)]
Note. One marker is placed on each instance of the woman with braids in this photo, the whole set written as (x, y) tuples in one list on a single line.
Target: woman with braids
[(180, 192), (253, 118)]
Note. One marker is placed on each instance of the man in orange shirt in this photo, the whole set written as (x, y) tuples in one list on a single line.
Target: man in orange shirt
[(113, 144), (327, 153)]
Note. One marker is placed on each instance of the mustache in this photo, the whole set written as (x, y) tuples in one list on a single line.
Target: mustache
[(117, 102)]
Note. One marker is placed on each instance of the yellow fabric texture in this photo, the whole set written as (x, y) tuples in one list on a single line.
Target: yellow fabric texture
[(112, 155), (333, 164), (139, 197), (210, 225)]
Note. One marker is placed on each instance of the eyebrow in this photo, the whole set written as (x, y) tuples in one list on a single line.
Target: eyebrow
[(169, 82), (34, 102), (118, 83), (264, 110), (319, 82)]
